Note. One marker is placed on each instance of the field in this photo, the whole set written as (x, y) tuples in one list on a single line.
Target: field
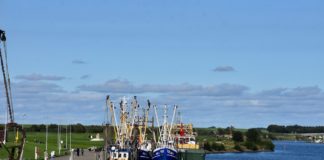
[(79, 140)]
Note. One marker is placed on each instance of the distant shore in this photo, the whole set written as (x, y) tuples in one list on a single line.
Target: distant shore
[(235, 151)]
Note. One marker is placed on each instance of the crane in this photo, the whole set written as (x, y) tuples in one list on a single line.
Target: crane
[(15, 147)]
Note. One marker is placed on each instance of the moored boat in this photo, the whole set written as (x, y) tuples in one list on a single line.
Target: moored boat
[(166, 149)]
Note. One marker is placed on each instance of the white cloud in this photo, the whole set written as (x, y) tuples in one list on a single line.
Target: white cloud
[(124, 86), (224, 69), (40, 77)]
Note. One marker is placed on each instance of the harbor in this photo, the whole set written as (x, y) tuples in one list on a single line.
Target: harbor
[(161, 80)]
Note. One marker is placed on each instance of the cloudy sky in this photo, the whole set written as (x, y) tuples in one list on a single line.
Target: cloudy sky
[(229, 62)]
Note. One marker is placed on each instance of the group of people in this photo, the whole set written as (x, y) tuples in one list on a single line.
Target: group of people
[(78, 150)]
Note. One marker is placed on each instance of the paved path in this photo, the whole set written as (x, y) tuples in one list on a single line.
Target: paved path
[(86, 156)]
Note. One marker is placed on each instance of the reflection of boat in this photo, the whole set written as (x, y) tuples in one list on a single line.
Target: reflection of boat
[(165, 147)]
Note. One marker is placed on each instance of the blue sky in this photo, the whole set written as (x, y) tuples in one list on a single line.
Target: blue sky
[(228, 62)]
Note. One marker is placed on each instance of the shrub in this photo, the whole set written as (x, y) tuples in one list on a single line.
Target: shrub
[(251, 146), (218, 147), (238, 147), (238, 136)]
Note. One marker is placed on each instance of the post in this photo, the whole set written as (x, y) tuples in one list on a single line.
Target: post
[(66, 141), (58, 139), (46, 137), (36, 154)]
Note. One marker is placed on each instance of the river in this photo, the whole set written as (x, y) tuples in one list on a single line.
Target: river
[(285, 150)]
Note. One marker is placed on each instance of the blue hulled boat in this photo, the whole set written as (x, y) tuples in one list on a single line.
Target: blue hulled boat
[(144, 155), (165, 153), (165, 147)]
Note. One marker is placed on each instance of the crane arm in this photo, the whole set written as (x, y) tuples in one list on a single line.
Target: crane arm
[(6, 78)]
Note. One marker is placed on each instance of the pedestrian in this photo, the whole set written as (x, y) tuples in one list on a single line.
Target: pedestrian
[(78, 152), (82, 151)]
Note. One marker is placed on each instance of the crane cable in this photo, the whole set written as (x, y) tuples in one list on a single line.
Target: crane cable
[(8, 76)]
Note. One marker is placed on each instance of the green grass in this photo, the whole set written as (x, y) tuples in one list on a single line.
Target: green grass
[(79, 140)]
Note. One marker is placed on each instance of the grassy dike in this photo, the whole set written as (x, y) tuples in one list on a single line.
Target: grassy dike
[(79, 140)]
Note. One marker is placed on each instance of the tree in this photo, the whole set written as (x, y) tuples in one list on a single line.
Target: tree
[(207, 146), (238, 136), (34, 128), (78, 128), (229, 130), (253, 135), (220, 131), (217, 147)]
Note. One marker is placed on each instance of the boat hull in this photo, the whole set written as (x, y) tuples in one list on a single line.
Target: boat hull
[(191, 154), (165, 154), (144, 155)]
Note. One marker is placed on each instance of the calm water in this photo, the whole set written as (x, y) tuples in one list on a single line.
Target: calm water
[(284, 151)]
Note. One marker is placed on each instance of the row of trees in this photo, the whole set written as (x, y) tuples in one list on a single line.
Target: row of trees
[(254, 140), (214, 146), (295, 129), (76, 128), (213, 131)]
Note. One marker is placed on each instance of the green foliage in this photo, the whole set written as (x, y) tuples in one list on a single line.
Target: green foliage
[(253, 135), (221, 131), (218, 147), (238, 136), (295, 129), (78, 128), (79, 140), (268, 145), (251, 145), (238, 147), (207, 146), (272, 137)]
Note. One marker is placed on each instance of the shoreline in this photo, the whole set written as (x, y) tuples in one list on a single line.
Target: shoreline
[(234, 151)]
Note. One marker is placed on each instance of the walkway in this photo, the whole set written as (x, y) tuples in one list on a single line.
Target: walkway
[(86, 156)]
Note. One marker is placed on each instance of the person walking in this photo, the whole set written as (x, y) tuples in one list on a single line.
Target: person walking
[(82, 151), (78, 152)]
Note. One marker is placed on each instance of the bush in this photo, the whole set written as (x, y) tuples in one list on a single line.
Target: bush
[(207, 146), (218, 147), (268, 145), (253, 135), (238, 136), (238, 147), (272, 137), (251, 146)]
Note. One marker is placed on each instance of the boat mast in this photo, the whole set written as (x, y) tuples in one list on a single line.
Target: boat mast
[(165, 126), (134, 113), (171, 126)]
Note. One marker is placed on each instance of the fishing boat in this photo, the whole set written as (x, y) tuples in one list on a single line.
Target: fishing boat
[(121, 149), (165, 149), (144, 151), (185, 140), (144, 148)]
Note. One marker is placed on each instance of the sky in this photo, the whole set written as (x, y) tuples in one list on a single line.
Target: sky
[(227, 62)]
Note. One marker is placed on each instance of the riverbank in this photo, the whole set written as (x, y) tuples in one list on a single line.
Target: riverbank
[(285, 150), (235, 151), (213, 140)]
